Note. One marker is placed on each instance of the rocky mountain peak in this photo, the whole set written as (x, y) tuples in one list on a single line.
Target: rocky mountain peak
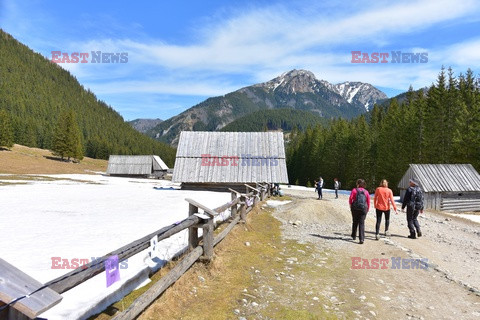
[(294, 81), (359, 92)]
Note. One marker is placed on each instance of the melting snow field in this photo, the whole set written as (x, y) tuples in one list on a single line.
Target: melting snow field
[(88, 216)]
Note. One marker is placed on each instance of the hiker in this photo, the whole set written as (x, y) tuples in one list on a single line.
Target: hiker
[(319, 187), (359, 202), (274, 189), (336, 186), (413, 200), (382, 200)]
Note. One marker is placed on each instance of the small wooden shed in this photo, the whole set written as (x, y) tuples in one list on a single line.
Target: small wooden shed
[(222, 160), (449, 187), (136, 166)]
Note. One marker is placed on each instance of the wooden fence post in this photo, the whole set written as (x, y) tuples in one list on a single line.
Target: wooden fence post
[(243, 208), (262, 192), (193, 230), (208, 240), (234, 207)]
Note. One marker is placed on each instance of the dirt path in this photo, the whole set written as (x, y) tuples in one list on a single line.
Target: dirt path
[(446, 286), (304, 270)]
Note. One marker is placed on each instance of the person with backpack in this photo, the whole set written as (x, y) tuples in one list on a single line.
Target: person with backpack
[(319, 187), (336, 186), (382, 200), (413, 200), (359, 201)]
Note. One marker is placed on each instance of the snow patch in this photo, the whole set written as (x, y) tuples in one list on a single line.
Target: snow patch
[(352, 92), (277, 203), (73, 219)]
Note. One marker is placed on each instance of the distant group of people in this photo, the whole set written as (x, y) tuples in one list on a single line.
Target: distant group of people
[(319, 187), (359, 202), (275, 190)]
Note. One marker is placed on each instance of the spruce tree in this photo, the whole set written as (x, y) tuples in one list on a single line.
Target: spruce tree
[(466, 133), (67, 141), (6, 130)]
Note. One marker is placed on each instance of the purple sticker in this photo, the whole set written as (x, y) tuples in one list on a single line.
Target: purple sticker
[(111, 270)]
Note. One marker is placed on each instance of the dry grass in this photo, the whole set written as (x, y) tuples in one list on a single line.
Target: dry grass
[(25, 160), (215, 290), (225, 277)]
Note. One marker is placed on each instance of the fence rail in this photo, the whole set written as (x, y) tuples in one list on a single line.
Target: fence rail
[(199, 248)]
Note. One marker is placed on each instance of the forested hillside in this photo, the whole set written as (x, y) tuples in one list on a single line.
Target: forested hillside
[(284, 119), (441, 126), (35, 91)]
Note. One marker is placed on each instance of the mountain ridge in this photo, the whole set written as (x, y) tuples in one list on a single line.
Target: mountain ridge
[(296, 89), (143, 124)]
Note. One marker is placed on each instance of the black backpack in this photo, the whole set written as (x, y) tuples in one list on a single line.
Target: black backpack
[(360, 202), (416, 198)]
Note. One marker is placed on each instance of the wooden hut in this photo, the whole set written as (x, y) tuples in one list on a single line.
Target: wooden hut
[(449, 187), (150, 166), (221, 160)]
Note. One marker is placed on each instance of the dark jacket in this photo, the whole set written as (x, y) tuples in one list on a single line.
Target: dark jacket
[(407, 199)]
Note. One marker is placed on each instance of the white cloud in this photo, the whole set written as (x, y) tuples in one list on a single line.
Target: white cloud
[(264, 37), (464, 54), (261, 43), (167, 86)]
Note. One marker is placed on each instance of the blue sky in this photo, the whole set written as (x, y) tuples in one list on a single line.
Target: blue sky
[(180, 53)]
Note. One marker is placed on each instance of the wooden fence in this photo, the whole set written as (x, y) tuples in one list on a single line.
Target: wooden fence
[(199, 248)]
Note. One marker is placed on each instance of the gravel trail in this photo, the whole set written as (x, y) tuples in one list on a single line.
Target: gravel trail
[(444, 284)]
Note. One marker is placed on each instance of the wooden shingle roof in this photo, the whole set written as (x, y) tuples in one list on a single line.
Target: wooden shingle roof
[(260, 157), (134, 165), (443, 177)]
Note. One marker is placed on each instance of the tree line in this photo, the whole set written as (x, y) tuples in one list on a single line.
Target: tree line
[(285, 119), (38, 96), (438, 125)]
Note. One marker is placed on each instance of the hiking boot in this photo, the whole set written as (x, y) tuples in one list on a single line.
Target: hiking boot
[(377, 237), (412, 236), (419, 234)]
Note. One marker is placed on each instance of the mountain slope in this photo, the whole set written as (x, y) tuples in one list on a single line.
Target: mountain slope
[(34, 92), (143, 125), (284, 119), (296, 89), (360, 93)]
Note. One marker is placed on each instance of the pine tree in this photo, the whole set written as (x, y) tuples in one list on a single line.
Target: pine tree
[(466, 133), (435, 126), (67, 141), (6, 130)]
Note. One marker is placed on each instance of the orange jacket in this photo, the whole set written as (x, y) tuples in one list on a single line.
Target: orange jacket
[(381, 198)]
